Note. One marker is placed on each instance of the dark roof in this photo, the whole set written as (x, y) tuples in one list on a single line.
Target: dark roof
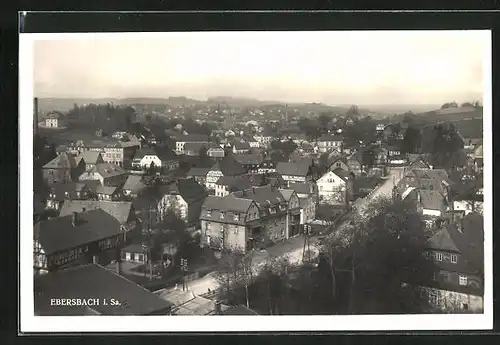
[(145, 151), (229, 166), (119, 209), (57, 234), (62, 161), (92, 185), (300, 168), (432, 199), (301, 188), (90, 157), (239, 310), (344, 175), (192, 138), (469, 241), (227, 203), (109, 170), (238, 145), (106, 190), (331, 137), (264, 196), (253, 158), (196, 147), (134, 183), (94, 281), (60, 189), (198, 171), (133, 248), (188, 189), (38, 206)]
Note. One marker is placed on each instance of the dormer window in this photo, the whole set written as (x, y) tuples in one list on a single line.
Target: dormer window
[(272, 210), (222, 215), (453, 258), (236, 217), (209, 213)]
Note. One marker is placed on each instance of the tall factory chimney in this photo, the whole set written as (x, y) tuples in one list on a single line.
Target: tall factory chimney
[(35, 115)]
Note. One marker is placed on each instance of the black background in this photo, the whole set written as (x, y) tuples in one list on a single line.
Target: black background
[(229, 20)]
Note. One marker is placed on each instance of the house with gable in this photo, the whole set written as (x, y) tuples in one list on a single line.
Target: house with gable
[(63, 168), (123, 211), (228, 166), (336, 187), (254, 218), (291, 172), (107, 174), (184, 198), (330, 142), (250, 161), (198, 174), (134, 185), (457, 251), (90, 159), (59, 192), (78, 237), (294, 213)]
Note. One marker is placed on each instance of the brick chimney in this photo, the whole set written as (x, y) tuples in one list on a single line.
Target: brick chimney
[(118, 266), (74, 218)]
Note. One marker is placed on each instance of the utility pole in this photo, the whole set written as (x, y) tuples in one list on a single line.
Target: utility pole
[(306, 249), (184, 269), (150, 243)]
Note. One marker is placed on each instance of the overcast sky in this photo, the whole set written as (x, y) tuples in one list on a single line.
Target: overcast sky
[(330, 67)]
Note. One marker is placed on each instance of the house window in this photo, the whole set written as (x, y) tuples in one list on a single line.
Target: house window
[(439, 256), (222, 215), (462, 280), (209, 213), (435, 297), (453, 258), (236, 217), (272, 210)]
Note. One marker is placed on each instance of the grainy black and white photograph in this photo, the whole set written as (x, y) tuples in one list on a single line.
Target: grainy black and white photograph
[(258, 174)]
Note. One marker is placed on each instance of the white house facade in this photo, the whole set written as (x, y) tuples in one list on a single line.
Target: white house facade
[(332, 189)]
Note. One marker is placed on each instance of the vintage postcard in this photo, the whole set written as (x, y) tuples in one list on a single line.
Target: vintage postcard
[(335, 176)]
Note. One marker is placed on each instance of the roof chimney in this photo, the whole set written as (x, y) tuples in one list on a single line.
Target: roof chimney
[(74, 218), (218, 307), (95, 259)]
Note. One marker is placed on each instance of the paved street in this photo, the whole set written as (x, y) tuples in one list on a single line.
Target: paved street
[(291, 248)]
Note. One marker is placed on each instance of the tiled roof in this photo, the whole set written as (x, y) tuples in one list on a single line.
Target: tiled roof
[(195, 147), (227, 203), (287, 193), (134, 184), (344, 175), (106, 190), (331, 137), (264, 196), (249, 158), (188, 189), (60, 189), (198, 171), (294, 169), (145, 151), (94, 281), (109, 170), (90, 157), (133, 248), (235, 183), (119, 209), (229, 166), (301, 188), (58, 234), (469, 242), (192, 138), (241, 146), (62, 161), (431, 199), (239, 310)]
